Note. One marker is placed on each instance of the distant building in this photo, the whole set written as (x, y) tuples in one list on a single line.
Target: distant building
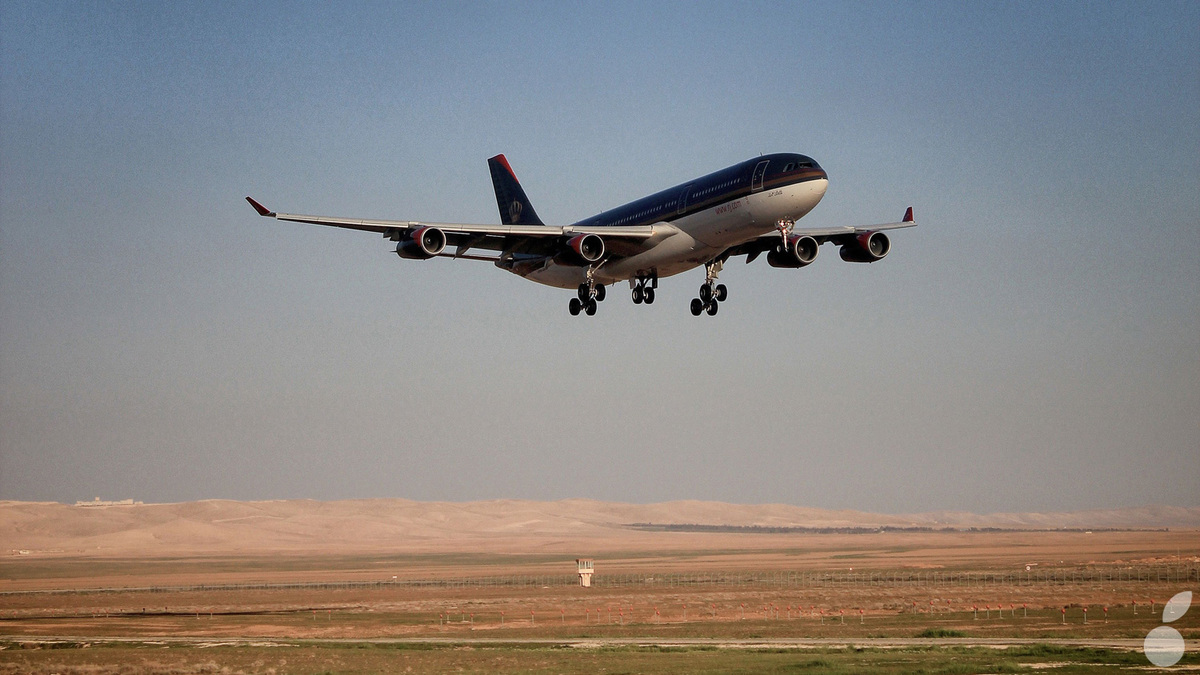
[(99, 502), (586, 568)]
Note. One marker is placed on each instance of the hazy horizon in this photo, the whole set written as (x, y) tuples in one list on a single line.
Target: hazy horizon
[(1034, 345), (117, 503)]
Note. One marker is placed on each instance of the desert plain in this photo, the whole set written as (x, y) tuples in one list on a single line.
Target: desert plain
[(396, 585)]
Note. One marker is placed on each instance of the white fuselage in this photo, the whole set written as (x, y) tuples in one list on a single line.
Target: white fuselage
[(694, 239)]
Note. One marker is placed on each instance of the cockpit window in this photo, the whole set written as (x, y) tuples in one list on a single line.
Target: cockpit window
[(804, 163)]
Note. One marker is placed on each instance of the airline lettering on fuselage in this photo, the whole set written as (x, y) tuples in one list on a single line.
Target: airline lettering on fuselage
[(731, 206)]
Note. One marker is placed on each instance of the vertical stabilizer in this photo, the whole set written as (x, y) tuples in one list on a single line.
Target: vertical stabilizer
[(515, 208)]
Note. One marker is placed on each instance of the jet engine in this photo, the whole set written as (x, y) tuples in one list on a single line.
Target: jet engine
[(801, 250), (422, 243), (587, 248), (866, 248)]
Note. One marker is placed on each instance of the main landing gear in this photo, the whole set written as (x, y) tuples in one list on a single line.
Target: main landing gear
[(711, 292), (589, 295), (643, 289)]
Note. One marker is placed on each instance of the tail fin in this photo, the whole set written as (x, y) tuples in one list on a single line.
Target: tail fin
[(515, 208)]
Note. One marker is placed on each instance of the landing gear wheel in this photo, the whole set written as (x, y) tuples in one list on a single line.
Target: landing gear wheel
[(697, 306), (590, 308), (711, 292), (574, 306), (643, 286), (600, 292), (584, 293)]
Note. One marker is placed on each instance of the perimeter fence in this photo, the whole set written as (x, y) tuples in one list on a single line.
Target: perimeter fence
[(1159, 574)]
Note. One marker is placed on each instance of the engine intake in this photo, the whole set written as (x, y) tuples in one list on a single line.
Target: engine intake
[(587, 247), (801, 250), (422, 243), (866, 248)]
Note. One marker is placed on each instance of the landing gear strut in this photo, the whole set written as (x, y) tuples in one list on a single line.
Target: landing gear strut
[(643, 288), (589, 294), (785, 228), (711, 292)]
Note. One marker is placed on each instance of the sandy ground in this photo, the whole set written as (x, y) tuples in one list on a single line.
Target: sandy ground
[(640, 553), (758, 612), (87, 576), (722, 577), (513, 527), (55, 546)]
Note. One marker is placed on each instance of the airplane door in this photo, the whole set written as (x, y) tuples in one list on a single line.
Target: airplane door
[(760, 172), (683, 200)]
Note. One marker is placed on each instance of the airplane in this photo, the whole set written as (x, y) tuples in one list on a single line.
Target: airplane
[(747, 209)]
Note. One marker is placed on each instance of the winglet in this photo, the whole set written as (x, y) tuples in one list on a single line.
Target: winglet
[(908, 216), (262, 210)]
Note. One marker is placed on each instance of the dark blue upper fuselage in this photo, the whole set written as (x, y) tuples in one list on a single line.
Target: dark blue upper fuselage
[(735, 182)]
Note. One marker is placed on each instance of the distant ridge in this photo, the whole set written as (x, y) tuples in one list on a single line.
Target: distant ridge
[(215, 527), (764, 529)]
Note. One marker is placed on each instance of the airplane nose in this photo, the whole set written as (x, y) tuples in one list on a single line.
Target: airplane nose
[(820, 186)]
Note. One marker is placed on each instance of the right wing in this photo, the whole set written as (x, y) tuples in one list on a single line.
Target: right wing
[(860, 243), (833, 233)]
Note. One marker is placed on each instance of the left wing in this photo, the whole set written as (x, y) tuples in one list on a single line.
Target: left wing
[(797, 247), (430, 238)]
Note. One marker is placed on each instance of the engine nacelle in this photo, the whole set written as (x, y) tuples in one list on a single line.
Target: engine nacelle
[(867, 248), (587, 247), (801, 250), (422, 244)]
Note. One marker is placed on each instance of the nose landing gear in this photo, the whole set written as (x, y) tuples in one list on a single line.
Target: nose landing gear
[(784, 227), (711, 292)]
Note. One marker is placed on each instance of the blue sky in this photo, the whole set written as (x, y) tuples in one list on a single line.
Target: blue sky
[(1033, 345)]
